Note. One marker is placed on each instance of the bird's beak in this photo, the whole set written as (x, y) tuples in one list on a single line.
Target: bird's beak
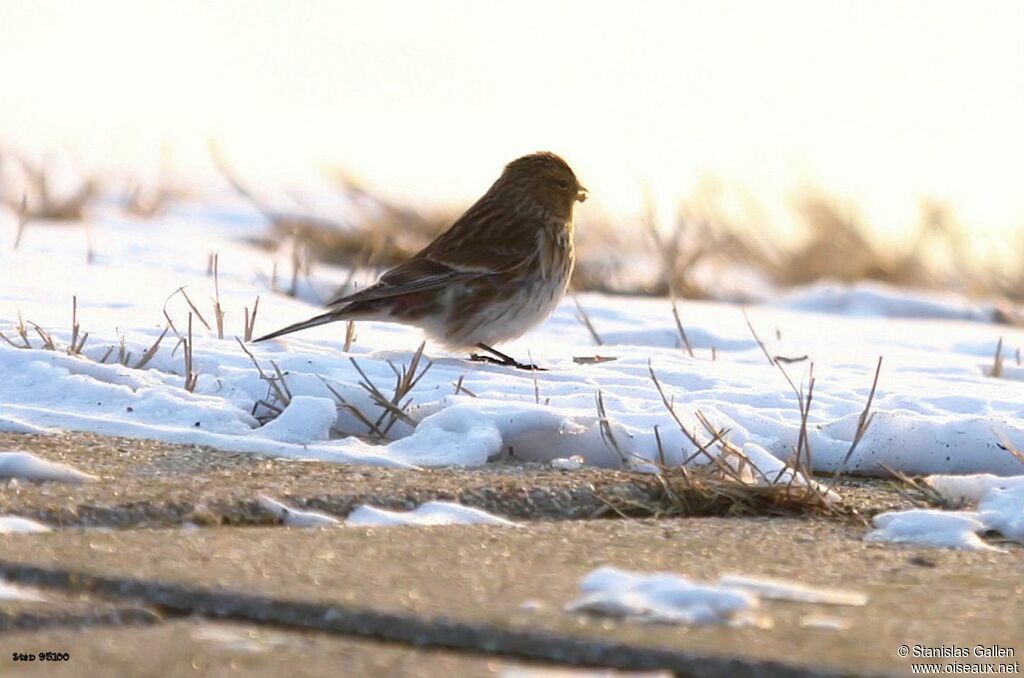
[(581, 193)]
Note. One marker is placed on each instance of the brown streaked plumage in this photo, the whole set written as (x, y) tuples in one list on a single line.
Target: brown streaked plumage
[(500, 269)]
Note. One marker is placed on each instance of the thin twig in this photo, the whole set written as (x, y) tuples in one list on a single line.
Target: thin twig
[(582, 316)]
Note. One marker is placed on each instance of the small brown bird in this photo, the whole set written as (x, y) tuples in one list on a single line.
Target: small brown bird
[(500, 269)]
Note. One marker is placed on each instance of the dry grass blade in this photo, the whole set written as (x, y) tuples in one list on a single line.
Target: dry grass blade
[(584, 319), (218, 312), (593, 359), (250, 320), (355, 411), (188, 300), (459, 388), (78, 340), (276, 385), (929, 495), (760, 343), (405, 380), (863, 422), (1006, 445), (605, 426), (997, 361), (191, 376), (151, 351), (679, 326), (48, 343), (350, 335), (22, 221), (123, 354), (701, 448)]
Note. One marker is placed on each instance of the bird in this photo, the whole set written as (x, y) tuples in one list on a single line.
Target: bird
[(500, 269)]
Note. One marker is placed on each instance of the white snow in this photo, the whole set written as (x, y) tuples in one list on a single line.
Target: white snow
[(674, 599), (428, 513), (10, 591), (293, 517), (14, 524), (573, 463), (30, 467), (936, 410), (304, 420), (781, 589), (970, 488), (1000, 504), (662, 597), (928, 527), (873, 299), (1003, 511)]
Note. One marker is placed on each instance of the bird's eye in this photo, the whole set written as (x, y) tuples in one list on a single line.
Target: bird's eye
[(563, 184)]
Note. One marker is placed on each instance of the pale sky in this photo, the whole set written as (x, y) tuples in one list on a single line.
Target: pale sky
[(881, 102)]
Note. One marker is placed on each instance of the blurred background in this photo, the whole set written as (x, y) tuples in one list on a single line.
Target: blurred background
[(738, 144)]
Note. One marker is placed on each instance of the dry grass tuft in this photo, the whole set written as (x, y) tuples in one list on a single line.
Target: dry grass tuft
[(278, 397), (393, 408), (706, 491)]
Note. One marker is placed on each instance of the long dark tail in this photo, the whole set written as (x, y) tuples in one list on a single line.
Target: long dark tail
[(329, 317)]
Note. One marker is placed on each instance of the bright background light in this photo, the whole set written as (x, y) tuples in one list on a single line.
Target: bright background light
[(883, 103)]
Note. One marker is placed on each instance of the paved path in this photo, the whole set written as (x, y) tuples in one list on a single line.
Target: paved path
[(437, 601)]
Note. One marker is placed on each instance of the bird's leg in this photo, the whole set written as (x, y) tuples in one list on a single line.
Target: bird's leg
[(499, 358)]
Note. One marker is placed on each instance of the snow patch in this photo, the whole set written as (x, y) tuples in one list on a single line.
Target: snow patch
[(293, 517), (662, 597), (30, 467), (20, 593), (16, 524), (306, 419), (928, 527), (1002, 510), (429, 513), (970, 488), (779, 589)]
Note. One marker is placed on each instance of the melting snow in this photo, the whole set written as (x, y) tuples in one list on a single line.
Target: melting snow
[(429, 513), (13, 524), (936, 411), (30, 467)]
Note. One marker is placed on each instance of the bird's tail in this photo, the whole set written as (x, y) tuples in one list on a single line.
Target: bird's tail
[(323, 319)]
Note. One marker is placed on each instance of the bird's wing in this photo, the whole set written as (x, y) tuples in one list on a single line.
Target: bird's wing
[(489, 238), (416, 275)]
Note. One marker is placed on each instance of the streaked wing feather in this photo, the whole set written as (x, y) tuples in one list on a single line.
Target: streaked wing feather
[(416, 275)]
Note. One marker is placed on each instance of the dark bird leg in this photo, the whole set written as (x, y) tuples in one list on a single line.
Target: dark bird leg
[(499, 358)]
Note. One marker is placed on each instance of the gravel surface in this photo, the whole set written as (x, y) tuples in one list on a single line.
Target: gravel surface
[(144, 483)]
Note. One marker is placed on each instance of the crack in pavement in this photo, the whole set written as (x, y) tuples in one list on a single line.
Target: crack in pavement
[(409, 629)]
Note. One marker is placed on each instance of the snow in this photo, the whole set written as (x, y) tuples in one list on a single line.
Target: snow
[(30, 467), (928, 527), (1003, 511), (1000, 504), (873, 299), (970, 488), (20, 593), (779, 589), (428, 513), (674, 599), (936, 410), (573, 463), (14, 524), (305, 419), (663, 597), (293, 517)]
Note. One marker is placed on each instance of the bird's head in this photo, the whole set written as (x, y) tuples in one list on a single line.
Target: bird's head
[(547, 179)]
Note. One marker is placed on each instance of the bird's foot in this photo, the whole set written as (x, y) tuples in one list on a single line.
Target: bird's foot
[(499, 358)]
